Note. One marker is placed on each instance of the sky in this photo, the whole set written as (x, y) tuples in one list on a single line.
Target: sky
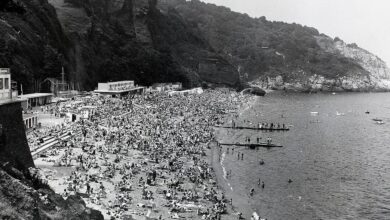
[(364, 22)]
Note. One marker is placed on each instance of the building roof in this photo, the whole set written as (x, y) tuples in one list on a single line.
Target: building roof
[(118, 82), (35, 95), (113, 92), (26, 116)]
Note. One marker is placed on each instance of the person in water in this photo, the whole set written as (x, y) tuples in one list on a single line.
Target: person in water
[(262, 185), (252, 191)]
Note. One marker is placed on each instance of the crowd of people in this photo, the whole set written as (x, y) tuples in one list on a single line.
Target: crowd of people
[(144, 152)]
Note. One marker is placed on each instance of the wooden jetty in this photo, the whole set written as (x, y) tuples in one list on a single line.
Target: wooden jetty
[(253, 146), (253, 128)]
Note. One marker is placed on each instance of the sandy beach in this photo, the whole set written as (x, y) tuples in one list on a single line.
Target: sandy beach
[(152, 157)]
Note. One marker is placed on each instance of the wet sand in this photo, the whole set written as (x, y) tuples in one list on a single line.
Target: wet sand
[(240, 203)]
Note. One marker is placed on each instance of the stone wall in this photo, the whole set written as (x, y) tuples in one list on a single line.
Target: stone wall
[(13, 141)]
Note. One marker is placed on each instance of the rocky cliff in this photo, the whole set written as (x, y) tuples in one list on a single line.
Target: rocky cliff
[(125, 39), (279, 55)]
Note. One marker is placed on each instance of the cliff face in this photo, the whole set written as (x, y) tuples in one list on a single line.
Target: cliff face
[(125, 39), (378, 77)]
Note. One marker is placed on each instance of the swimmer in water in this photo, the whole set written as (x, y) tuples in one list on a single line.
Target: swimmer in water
[(252, 191)]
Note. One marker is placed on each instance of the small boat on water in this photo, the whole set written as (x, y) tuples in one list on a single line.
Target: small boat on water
[(340, 114), (314, 113), (377, 119), (380, 122)]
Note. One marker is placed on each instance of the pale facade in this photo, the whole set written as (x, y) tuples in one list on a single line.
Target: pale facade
[(5, 84), (116, 86)]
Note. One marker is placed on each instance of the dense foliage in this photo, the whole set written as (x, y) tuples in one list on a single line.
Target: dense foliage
[(32, 43), (262, 47)]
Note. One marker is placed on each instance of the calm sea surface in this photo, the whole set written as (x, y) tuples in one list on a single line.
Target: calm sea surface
[(339, 163)]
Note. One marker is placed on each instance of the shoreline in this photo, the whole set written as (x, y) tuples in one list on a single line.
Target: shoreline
[(217, 159)]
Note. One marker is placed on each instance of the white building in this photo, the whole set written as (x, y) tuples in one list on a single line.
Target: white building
[(5, 84), (116, 86), (119, 88)]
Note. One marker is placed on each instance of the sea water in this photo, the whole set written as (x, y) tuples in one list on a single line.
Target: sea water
[(336, 155)]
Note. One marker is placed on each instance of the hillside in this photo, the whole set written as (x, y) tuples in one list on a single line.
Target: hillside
[(175, 40), (32, 42), (102, 41), (280, 55)]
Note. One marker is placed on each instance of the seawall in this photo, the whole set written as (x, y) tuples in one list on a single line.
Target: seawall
[(14, 147)]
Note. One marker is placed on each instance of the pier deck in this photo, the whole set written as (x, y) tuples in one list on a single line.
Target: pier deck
[(253, 128), (252, 146)]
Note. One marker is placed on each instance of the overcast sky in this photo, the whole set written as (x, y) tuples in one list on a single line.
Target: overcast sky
[(364, 22)]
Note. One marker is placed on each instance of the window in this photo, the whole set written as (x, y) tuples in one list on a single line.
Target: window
[(1, 83), (6, 83)]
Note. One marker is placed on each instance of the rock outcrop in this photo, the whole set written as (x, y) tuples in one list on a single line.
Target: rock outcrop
[(23, 193), (279, 55), (21, 199)]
